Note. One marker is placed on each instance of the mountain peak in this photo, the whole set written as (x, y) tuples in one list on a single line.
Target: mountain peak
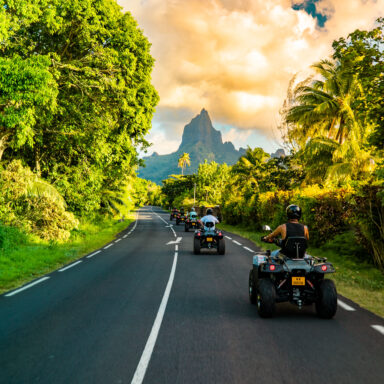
[(200, 129), (202, 141)]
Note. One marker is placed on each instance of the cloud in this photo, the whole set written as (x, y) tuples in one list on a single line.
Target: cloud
[(235, 58)]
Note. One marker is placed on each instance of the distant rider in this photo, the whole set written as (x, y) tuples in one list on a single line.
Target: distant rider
[(192, 214), (290, 229), (209, 218), (182, 211)]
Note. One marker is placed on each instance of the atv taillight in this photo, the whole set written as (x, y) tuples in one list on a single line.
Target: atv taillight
[(198, 233), (220, 234), (324, 268), (272, 267)]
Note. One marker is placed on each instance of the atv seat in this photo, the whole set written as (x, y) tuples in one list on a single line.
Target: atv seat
[(295, 247)]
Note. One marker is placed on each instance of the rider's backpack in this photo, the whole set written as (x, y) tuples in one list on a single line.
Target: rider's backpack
[(295, 247)]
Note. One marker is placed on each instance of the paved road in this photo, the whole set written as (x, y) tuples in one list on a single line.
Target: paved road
[(144, 311)]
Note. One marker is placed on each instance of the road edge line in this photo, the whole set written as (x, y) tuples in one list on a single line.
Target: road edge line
[(141, 369)]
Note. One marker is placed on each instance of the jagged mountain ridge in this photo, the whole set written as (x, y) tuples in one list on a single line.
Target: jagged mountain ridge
[(202, 141)]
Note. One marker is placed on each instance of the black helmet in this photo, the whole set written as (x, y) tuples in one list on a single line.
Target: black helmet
[(293, 212), (209, 211)]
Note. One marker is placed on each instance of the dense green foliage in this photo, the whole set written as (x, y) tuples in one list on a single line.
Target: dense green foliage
[(76, 101), (333, 125), (76, 94)]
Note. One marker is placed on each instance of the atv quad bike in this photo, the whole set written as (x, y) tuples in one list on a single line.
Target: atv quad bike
[(180, 218), (174, 213), (293, 277), (191, 223), (208, 237)]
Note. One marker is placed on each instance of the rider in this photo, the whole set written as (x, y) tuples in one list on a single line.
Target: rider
[(290, 229), (182, 211), (192, 214), (209, 218)]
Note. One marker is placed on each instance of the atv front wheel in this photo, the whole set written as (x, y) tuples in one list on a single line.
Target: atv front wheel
[(252, 288), (196, 246), (266, 298), (170, 217), (221, 247), (326, 304), (186, 228)]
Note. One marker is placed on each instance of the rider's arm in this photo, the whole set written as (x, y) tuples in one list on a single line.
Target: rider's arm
[(276, 233), (306, 232)]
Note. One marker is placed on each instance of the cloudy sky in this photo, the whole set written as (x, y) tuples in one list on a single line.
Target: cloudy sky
[(235, 58)]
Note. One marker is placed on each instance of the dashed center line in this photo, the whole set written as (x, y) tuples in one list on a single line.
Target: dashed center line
[(27, 286), (93, 254), (116, 241), (108, 246), (345, 306), (230, 238), (249, 249), (70, 266), (236, 242), (125, 236), (378, 328)]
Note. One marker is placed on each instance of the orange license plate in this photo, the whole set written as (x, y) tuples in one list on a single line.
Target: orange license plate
[(296, 280), (209, 239)]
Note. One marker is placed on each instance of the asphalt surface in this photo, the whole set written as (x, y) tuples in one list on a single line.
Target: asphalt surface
[(142, 310)]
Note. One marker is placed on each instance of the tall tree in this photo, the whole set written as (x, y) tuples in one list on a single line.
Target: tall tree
[(184, 161), (102, 66)]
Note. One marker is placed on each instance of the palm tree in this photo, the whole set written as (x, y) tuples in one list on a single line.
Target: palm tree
[(321, 119), (184, 160), (324, 107)]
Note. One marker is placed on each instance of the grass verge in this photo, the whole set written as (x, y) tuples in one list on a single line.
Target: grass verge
[(24, 258), (355, 279)]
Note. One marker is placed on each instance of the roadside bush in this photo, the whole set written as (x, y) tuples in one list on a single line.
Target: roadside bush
[(35, 206)]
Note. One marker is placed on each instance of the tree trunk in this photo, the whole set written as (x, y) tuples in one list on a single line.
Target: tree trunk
[(37, 160), (3, 144)]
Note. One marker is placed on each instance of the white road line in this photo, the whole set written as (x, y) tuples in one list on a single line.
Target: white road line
[(378, 328), (70, 266), (27, 286), (108, 246), (230, 238), (176, 247), (125, 236), (249, 249), (147, 353), (236, 242), (345, 306), (93, 254), (116, 241)]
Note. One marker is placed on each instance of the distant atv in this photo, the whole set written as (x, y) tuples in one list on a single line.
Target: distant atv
[(174, 213), (208, 237), (295, 277), (191, 223), (180, 218)]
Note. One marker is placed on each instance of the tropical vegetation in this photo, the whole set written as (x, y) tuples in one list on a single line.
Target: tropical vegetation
[(76, 102)]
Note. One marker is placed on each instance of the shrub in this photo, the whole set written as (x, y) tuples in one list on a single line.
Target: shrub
[(34, 205)]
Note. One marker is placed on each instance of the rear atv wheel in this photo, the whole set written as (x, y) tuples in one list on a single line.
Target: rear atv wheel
[(170, 218), (326, 304), (196, 246), (221, 247), (266, 298), (252, 287), (186, 228)]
